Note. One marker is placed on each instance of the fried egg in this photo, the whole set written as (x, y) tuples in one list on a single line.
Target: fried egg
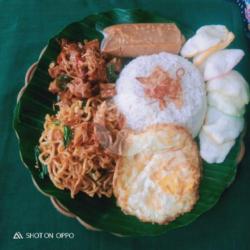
[(158, 174)]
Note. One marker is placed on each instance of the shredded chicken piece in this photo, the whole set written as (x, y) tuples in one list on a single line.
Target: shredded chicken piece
[(80, 89), (95, 64), (77, 69), (107, 90), (81, 135), (53, 87)]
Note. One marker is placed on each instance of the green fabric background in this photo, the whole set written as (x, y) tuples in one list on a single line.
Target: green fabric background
[(25, 27)]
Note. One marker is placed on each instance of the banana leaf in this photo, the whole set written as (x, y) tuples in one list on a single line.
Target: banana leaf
[(103, 213)]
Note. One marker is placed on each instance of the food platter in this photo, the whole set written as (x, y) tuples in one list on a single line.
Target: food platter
[(102, 213)]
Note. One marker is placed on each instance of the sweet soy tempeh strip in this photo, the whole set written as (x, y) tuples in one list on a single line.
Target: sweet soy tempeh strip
[(131, 40)]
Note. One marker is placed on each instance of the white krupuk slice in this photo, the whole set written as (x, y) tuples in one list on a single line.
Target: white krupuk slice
[(227, 105), (221, 62), (213, 114), (221, 127), (206, 37), (232, 85), (211, 151), (200, 58)]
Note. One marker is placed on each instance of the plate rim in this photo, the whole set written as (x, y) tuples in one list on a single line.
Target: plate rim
[(55, 202)]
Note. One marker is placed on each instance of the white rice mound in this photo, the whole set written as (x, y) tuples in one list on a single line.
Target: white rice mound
[(141, 111)]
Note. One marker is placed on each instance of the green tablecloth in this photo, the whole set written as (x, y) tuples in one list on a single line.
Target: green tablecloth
[(25, 27)]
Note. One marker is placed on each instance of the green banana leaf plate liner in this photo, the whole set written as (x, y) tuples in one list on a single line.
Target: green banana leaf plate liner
[(102, 213)]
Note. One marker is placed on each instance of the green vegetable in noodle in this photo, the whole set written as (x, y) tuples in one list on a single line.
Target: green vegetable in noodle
[(111, 75), (62, 81), (43, 169), (84, 101), (56, 122), (67, 135)]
